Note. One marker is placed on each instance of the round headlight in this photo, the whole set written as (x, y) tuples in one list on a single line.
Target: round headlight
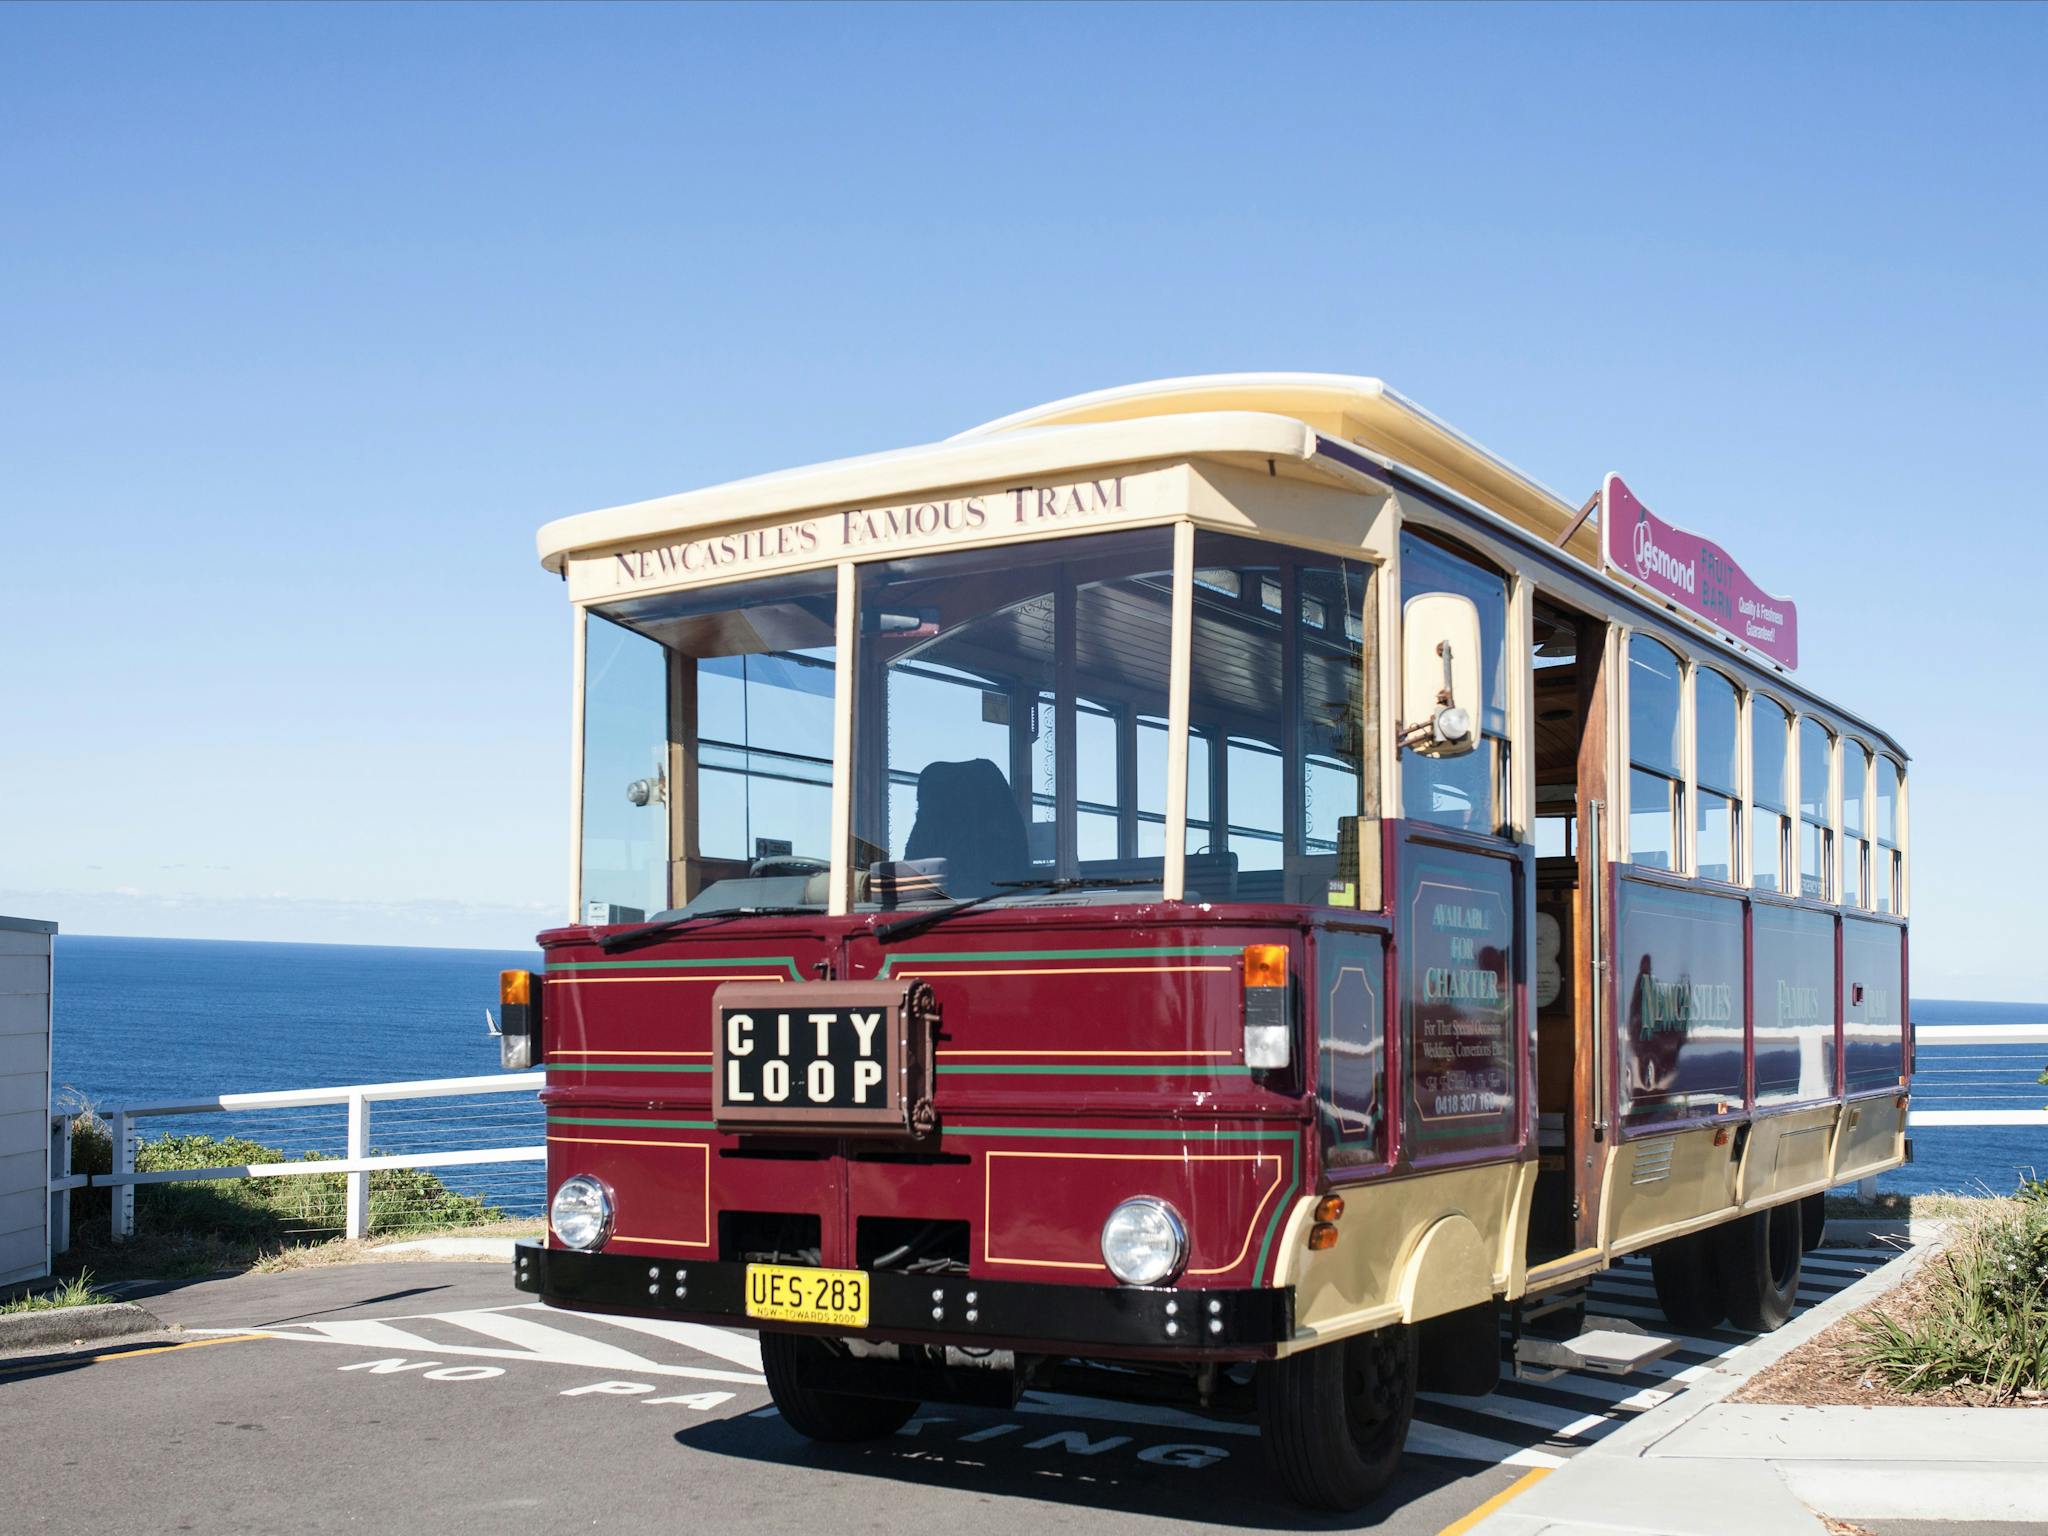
[(581, 1213), (1144, 1242)]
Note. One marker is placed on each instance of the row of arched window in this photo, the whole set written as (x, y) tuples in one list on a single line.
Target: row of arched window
[(1817, 814)]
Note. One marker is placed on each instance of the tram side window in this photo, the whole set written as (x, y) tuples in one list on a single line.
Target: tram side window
[(1717, 816), (1470, 791), (625, 767), (1890, 875), (1656, 780), (1770, 738), (1816, 826), (1277, 721), (1855, 826)]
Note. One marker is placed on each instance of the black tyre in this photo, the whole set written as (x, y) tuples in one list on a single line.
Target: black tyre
[(1688, 1283), (1813, 1222), (1758, 1256), (1333, 1419), (790, 1362)]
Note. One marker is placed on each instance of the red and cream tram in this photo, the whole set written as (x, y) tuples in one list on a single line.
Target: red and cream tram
[(1220, 890)]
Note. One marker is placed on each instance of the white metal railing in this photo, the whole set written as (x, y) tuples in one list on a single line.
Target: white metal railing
[(1979, 1034), (357, 1166), (1938, 1035)]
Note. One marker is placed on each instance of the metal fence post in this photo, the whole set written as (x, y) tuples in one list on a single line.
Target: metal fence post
[(121, 1198), (358, 1181), (1866, 1189), (60, 1200)]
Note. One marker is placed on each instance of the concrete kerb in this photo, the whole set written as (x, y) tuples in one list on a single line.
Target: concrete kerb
[(58, 1326), (1622, 1484), (499, 1248)]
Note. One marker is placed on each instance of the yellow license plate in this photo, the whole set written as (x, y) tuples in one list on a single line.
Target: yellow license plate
[(788, 1293)]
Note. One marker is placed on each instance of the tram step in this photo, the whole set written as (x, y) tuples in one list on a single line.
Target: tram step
[(1609, 1346)]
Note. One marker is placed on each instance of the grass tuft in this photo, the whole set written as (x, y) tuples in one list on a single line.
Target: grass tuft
[(78, 1291), (1984, 1327)]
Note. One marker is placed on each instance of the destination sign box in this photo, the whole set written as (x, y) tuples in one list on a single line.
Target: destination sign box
[(1695, 573), (849, 1057)]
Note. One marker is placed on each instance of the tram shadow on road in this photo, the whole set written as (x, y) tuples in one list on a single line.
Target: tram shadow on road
[(1211, 1475)]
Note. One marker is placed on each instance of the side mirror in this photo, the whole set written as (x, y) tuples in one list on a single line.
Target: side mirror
[(1439, 674)]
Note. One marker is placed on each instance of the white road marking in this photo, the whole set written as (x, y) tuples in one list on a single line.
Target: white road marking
[(1426, 1439), (1563, 1423), (739, 1348), (373, 1335), (1066, 1407), (558, 1344), (428, 1346), (1592, 1406)]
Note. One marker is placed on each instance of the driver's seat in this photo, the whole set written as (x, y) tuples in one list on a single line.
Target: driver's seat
[(967, 816)]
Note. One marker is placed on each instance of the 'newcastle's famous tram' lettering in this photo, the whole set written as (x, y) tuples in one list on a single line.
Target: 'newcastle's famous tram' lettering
[(1798, 1005), (859, 527), (1678, 1005)]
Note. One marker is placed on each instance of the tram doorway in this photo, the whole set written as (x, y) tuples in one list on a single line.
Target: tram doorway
[(1570, 655)]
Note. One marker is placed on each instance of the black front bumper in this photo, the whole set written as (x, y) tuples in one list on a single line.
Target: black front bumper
[(949, 1309)]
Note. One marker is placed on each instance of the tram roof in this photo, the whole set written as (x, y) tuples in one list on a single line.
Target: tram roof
[(1248, 416), (1251, 419)]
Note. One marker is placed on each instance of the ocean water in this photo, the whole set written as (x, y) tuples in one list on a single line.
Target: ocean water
[(159, 1020), (1972, 1159), (153, 1020)]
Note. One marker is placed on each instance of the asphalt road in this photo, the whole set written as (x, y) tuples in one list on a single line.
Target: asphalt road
[(427, 1396), (396, 1395)]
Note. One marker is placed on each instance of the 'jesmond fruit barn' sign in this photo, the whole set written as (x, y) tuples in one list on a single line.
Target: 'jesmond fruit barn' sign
[(1694, 573)]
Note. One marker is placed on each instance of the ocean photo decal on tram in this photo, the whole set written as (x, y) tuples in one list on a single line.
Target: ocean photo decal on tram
[(847, 1057), (1459, 1002), (1695, 573)]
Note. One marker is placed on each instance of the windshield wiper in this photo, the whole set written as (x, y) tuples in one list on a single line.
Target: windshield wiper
[(634, 938), (904, 927)]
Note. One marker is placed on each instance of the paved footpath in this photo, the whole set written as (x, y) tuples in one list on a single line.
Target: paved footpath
[(1701, 1466), (369, 1396)]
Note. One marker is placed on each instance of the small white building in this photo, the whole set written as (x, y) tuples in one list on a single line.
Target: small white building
[(24, 1099)]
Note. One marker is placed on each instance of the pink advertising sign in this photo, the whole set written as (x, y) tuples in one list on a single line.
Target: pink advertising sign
[(1695, 573)]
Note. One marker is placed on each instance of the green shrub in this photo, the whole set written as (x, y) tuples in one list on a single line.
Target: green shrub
[(1984, 1327), (258, 1212)]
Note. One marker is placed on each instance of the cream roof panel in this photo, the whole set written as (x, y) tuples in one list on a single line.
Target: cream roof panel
[(1226, 434), (1355, 408)]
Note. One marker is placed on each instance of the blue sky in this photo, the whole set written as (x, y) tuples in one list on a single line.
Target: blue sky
[(312, 315)]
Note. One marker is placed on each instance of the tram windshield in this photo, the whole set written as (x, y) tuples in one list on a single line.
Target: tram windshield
[(1011, 737)]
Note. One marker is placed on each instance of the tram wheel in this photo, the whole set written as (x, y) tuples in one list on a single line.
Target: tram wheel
[(1333, 1419), (1759, 1262), (1688, 1286), (790, 1362), (1813, 1222)]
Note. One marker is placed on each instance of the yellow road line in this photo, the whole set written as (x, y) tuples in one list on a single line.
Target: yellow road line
[(1516, 1489), (60, 1362)]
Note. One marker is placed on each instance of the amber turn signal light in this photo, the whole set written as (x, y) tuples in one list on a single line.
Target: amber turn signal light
[(1322, 1235), (1329, 1208), (515, 986), (1265, 965)]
